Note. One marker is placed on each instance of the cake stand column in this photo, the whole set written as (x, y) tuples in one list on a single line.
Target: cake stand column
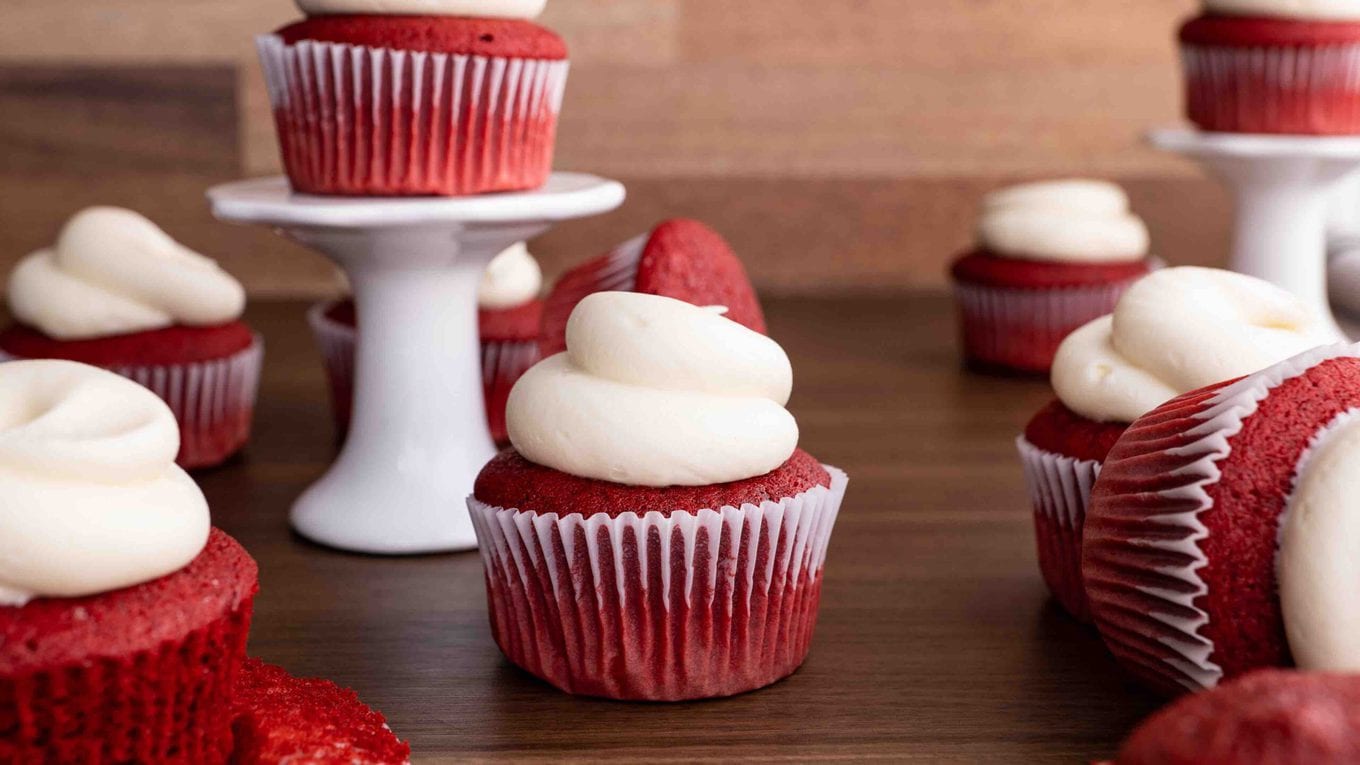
[(419, 435), (1282, 186)]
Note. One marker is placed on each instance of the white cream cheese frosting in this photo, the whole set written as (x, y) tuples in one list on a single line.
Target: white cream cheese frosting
[(1068, 221), (1177, 330), (487, 9), (512, 279), (654, 391), (1318, 565), (112, 272), (90, 497), (1308, 10)]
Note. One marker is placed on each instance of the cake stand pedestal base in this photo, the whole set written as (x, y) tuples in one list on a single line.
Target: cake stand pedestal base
[(419, 435)]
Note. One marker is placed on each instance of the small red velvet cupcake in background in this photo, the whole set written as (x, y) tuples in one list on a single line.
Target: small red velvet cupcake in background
[(1273, 66), (509, 319), (117, 292), (123, 615), (1270, 717), (411, 97), (1173, 331), (1221, 534), (681, 259), (655, 534), (285, 719), (1051, 256)]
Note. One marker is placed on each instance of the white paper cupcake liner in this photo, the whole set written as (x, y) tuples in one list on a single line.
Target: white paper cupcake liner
[(655, 607), (336, 342), (213, 401), (1143, 570), (615, 272), (1059, 489), (1284, 89), (375, 121)]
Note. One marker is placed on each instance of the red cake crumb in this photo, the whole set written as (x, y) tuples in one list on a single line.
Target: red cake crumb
[(682, 259), (1060, 430), (1254, 31), (510, 481), (284, 719), (501, 38), (982, 267), (172, 345), (1270, 717)]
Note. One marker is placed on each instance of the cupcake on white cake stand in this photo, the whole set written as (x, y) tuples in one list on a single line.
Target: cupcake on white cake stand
[(419, 434)]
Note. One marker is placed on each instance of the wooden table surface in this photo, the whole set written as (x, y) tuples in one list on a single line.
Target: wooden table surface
[(936, 642)]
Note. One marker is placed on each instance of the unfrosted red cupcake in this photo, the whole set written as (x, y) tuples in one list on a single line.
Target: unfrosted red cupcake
[(284, 719), (118, 293), (1051, 256), (1173, 331), (509, 317), (655, 534), (409, 97), (123, 615), (682, 259), (1219, 534), (1273, 66), (1270, 717)]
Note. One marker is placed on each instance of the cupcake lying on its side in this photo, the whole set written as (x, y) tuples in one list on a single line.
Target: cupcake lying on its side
[(117, 292), (1221, 535), (655, 534), (682, 259), (1273, 66), (1051, 256), (1270, 717), (509, 317), (412, 97), (123, 615), (1174, 331)]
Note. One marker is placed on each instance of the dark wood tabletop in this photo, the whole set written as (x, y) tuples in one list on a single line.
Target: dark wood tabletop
[(936, 643)]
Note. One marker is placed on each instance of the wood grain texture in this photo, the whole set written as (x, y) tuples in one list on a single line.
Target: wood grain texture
[(936, 641), (842, 144)]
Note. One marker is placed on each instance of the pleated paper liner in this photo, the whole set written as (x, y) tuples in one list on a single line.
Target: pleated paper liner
[(1059, 488), (1020, 329), (335, 340), (213, 401), (644, 606), (1142, 553), (503, 363), (1286, 89), (372, 121), (614, 272)]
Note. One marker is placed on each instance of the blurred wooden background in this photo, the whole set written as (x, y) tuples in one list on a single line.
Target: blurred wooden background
[(840, 144)]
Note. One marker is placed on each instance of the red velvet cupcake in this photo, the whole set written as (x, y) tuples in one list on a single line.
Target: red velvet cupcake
[(1219, 531), (1113, 370), (509, 316), (1051, 257), (656, 534), (1273, 66), (1270, 717), (681, 259), (123, 615), (118, 293), (404, 97), (284, 719)]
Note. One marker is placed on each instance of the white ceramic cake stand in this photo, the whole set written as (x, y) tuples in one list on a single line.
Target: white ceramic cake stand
[(1283, 187), (419, 434)]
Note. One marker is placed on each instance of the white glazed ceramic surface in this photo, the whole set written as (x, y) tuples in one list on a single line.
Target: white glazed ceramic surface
[(419, 435)]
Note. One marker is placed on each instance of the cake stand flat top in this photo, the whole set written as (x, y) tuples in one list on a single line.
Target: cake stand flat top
[(1251, 145), (270, 201)]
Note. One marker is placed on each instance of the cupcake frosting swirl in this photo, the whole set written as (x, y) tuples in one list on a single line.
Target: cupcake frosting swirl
[(486, 9), (1175, 331), (112, 272), (1308, 10), (653, 391), (1070, 221), (90, 497), (512, 279)]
